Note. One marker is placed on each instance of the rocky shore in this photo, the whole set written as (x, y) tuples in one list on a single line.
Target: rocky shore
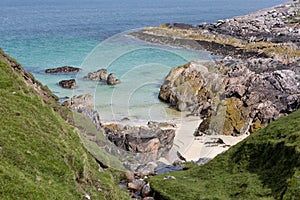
[(234, 96), (272, 32), (255, 83)]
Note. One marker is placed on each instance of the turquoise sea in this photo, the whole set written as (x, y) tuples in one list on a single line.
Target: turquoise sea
[(91, 34)]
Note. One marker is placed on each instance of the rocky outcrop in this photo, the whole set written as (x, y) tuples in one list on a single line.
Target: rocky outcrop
[(155, 142), (100, 75), (84, 104), (69, 84), (279, 25), (64, 69), (111, 79), (272, 32), (244, 92), (234, 96)]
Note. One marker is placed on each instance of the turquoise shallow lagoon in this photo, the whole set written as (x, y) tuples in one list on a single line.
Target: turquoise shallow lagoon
[(43, 34)]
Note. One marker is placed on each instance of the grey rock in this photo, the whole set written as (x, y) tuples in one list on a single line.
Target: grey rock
[(136, 184), (99, 75), (149, 144), (84, 104), (147, 169), (146, 190), (244, 93), (69, 84), (64, 69)]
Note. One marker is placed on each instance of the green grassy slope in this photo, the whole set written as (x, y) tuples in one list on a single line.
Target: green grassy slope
[(41, 156), (266, 165)]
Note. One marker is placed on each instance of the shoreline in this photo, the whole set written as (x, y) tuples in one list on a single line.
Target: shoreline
[(263, 43), (192, 148), (270, 32), (209, 144)]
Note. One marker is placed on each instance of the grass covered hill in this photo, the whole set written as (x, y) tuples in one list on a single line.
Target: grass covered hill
[(41, 156), (266, 165)]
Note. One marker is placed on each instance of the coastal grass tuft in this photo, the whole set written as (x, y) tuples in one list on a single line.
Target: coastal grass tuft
[(42, 157), (266, 165)]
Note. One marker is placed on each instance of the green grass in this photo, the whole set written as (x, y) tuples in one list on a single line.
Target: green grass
[(97, 145), (41, 156), (266, 165)]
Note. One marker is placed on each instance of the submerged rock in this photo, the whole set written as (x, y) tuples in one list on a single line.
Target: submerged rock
[(70, 84), (64, 69)]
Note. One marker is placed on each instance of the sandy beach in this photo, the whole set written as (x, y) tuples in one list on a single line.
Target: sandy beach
[(190, 147), (193, 148)]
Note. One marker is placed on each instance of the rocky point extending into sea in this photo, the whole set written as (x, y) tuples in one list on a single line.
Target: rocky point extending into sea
[(255, 82)]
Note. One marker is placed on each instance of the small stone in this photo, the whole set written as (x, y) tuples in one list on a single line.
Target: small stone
[(129, 176), (146, 190), (148, 198), (28, 152), (87, 196), (169, 178), (38, 178), (100, 169), (136, 184)]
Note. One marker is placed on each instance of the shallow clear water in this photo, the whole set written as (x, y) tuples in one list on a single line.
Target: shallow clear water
[(43, 34)]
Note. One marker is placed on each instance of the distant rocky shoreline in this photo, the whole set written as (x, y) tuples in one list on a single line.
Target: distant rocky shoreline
[(272, 32)]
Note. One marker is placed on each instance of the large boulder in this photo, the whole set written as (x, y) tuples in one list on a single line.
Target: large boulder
[(70, 84), (64, 69), (99, 75)]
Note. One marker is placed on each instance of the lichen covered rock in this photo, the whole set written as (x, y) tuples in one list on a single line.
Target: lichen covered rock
[(234, 96)]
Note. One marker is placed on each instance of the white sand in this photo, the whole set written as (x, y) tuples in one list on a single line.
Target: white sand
[(193, 148)]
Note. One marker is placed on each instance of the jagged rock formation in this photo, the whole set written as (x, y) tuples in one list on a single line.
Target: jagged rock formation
[(279, 24), (234, 96), (138, 144), (244, 92), (154, 140), (64, 69)]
